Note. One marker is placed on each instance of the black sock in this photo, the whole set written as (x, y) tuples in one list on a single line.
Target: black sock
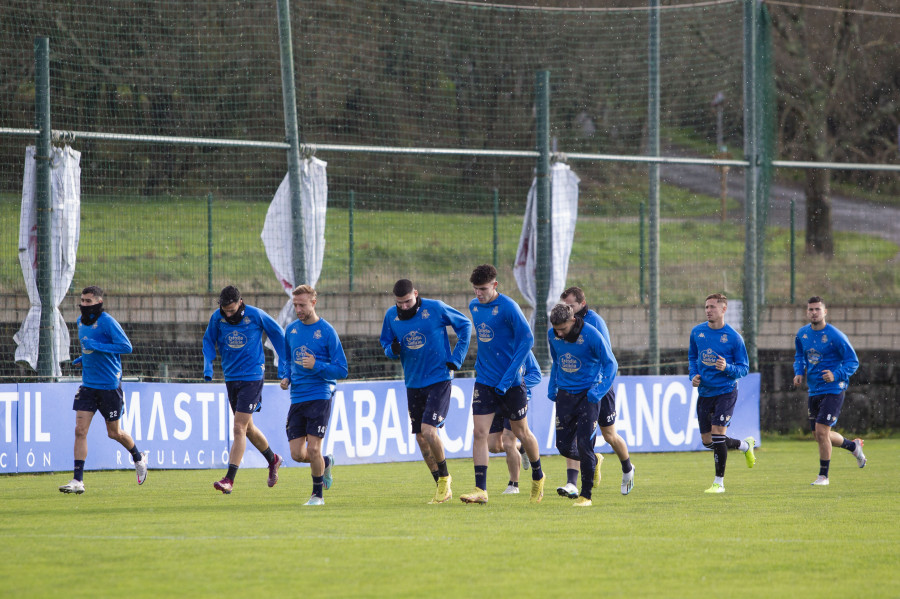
[(232, 472), (536, 472), (721, 454), (435, 474), (732, 443), (521, 450), (136, 454), (442, 468), (848, 445), (823, 467), (79, 470), (571, 476), (269, 455), (327, 461), (626, 466), (318, 483), (514, 484), (481, 477)]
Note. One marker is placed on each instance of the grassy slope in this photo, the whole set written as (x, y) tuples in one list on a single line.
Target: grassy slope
[(770, 535)]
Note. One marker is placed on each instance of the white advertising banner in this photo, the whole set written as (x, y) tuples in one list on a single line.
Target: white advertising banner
[(65, 215)]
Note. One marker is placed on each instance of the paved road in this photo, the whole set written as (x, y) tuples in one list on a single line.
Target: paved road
[(847, 214)]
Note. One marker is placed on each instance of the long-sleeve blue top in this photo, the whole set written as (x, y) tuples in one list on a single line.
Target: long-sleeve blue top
[(240, 345), (706, 345), (424, 343), (321, 340), (585, 364), (531, 372), (826, 349), (504, 340), (101, 345)]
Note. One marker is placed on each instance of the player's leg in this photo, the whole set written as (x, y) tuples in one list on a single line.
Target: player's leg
[(316, 468), (83, 419), (586, 428), (515, 405), (415, 402), (820, 424), (513, 457), (112, 405), (607, 421), (566, 442), (437, 406)]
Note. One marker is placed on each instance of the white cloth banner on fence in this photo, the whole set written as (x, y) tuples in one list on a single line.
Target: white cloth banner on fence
[(564, 215), (278, 232), (65, 199)]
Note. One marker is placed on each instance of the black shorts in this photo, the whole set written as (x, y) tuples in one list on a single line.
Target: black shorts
[(429, 405), (244, 396), (825, 409), (717, 410), (308, 418), (512, 405), (109, 402), (607, 405)]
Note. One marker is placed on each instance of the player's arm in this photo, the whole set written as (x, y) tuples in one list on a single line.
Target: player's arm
[(609, 366), (285, 363), (462, 326), (741, 365), (693, 369), (118, 340), (336, 366), (210, 339), (799, 361), (276, 336), (849, 361), (388, 338), (524, 342), (532, 374), (552, 384)]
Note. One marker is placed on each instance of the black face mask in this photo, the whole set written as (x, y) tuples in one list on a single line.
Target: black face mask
[(407, 314), (90, 314), (236, 317), (574, 332)]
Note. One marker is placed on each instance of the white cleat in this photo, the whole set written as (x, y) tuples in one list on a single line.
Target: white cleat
[(511, 490), (313, 500), (628, 481), (569, 490), (526, 463), (73, 486), (140, 468), (858, 453), (821, 481)]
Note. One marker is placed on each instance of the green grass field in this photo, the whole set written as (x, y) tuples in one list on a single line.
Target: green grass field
[(770, 535)]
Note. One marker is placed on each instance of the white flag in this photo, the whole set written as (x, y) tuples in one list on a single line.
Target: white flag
[(278, 233), (65, 227), (563, 216)]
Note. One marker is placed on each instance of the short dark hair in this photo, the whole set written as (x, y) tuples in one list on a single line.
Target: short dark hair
[(93, 290), (403, 287), (576, 292), (815, 300), (561, 313), (719, 297), (482, 274), (229, 295)]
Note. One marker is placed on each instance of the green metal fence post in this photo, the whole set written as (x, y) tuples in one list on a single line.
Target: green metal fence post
[(793, 253), (496, 216), (653, 27), (542, 271), (292, 137), (46, 349), (643, 241), (751, 185), (350, 214), (209, 244)]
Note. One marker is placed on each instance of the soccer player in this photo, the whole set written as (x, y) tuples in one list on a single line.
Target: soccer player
[(501, 438), (415, 331), (574, 296), (504, 341), (580, 378), (826, 359), (717, 358), (316, 360), (236, 329), (102, 341)]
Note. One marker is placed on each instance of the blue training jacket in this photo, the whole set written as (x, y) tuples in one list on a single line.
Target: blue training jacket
[(321, 340), (101, 345), (240, 345), (588, 363), (424, 343), (706, 345), (827, 349), (504, 340)]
